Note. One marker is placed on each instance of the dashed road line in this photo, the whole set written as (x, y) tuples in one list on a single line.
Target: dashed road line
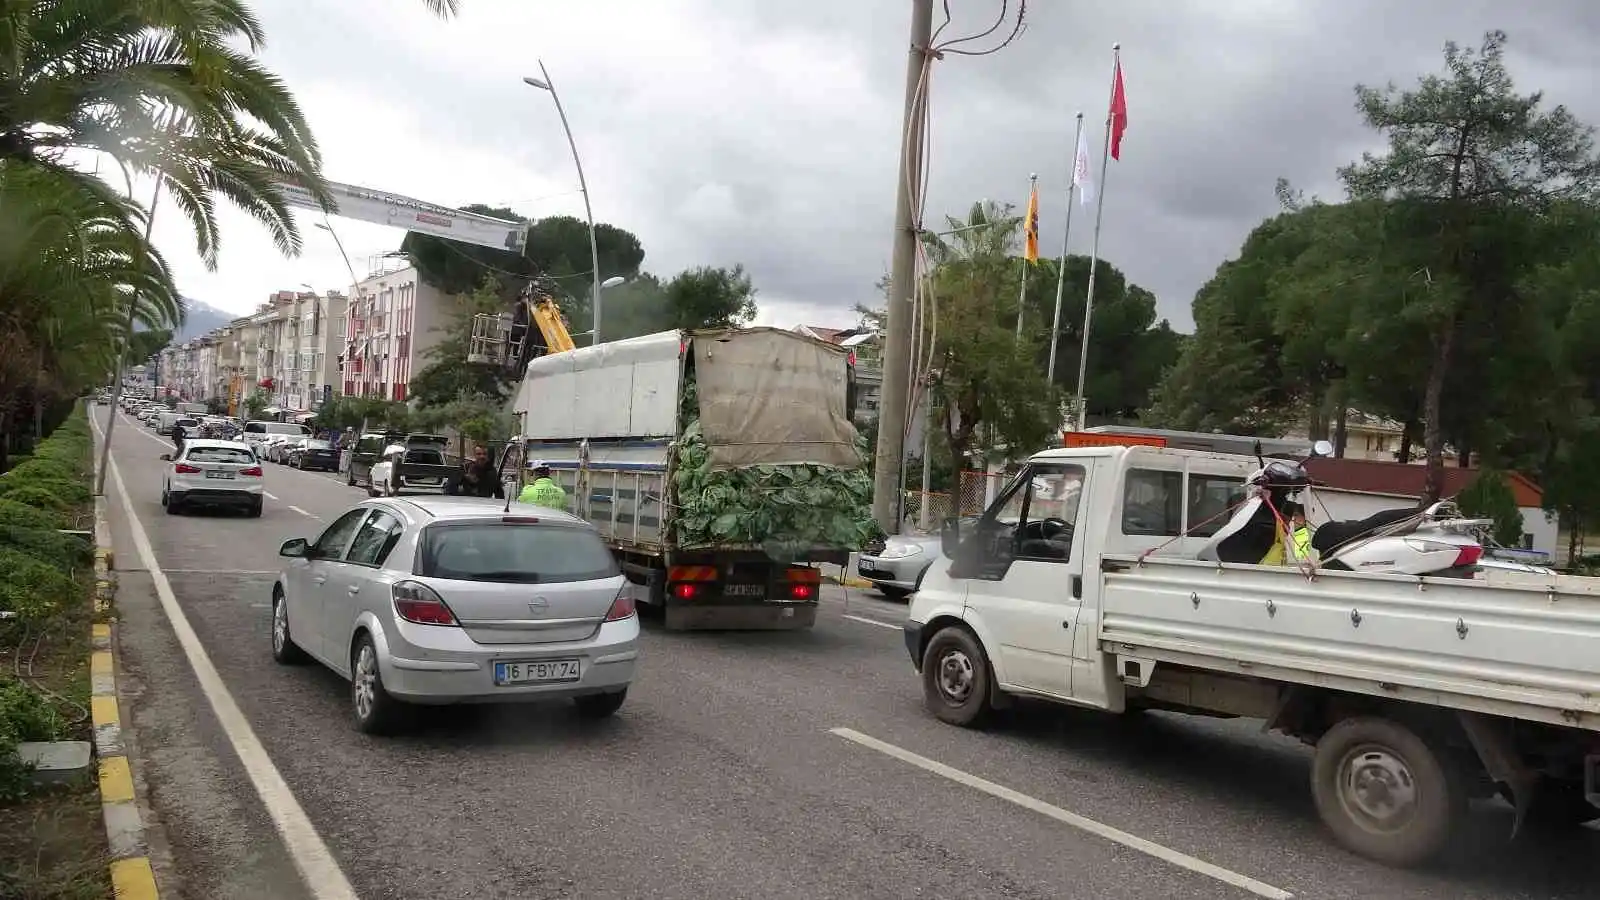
[(1131, 841), (270, 496), (302, 512), (320, 871), (867, 620)]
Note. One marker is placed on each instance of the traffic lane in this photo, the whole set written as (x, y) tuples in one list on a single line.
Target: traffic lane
[(714, 780), (1219, 790), (210, 835)]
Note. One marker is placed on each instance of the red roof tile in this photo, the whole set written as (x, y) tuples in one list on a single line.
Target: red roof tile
[(1379, 477)]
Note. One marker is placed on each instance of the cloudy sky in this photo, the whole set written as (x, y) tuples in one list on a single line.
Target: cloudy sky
[(767, 133)]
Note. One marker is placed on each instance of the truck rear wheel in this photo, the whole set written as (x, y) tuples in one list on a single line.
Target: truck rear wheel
[(1384, 792), (955, 678)]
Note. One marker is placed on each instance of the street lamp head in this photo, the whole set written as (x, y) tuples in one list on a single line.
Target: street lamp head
[(536, 82), (613, 281)]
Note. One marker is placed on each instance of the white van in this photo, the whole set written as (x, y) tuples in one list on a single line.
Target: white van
[(256, 432)]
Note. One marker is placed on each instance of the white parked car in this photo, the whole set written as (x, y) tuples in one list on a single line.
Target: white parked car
[(440, 600), (213, 473)]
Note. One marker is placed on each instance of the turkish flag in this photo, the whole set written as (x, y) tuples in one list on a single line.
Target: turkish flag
[(1119, 111)]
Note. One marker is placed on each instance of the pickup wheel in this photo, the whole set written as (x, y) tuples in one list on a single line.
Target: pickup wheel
[(1384, 792), (955, 678)]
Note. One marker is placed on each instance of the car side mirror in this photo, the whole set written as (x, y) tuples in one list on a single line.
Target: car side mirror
[(1322, 448), (299, 547), (950, 537), (166, 457)]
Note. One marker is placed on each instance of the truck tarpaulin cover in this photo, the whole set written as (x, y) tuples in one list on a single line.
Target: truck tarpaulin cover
[(771, 397)]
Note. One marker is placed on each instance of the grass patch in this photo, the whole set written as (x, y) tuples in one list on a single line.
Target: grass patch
[(53, 846)]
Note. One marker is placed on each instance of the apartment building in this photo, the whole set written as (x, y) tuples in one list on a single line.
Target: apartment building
[(289, 348), (393, 321)]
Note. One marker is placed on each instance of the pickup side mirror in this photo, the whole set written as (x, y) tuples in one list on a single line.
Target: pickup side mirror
[(950, 537), (166, 457), (298, 547)]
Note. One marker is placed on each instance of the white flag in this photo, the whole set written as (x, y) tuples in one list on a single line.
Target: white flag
[(1081, 179)]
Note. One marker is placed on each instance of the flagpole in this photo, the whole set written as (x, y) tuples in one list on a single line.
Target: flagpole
[(1061, 271), (1022, 298), (1094, 251)]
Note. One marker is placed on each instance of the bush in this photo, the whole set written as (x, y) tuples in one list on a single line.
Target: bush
[(61, 550), (31, 587), (24, 716), (42, 468), (36, 496), (58, 494), (21, 515)]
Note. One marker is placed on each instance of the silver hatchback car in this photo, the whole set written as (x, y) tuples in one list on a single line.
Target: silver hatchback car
[(439, 600)]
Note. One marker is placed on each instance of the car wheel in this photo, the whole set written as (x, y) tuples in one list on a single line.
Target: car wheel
[(284, 650), (1384, 792), (254, 511), (599, 706), (169, 503), (375, 711), (955, 678), (893, 593)]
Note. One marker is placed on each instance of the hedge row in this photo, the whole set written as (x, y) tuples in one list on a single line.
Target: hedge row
[(41, 576)]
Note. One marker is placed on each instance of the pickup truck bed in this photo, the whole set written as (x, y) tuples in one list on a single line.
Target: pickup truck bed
[(1524, 650)]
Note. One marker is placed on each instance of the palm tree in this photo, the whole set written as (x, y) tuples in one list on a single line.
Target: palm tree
[(70, 265), (158, 86), (444, 9)]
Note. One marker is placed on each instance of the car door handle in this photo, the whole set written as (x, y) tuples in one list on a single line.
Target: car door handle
[(354, 589), (319, 579), (1077, 587)]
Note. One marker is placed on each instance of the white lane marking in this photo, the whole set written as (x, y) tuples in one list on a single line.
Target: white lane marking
[(270, 495), (301, 511), (1133, 842), (311, 856), (871, 621)]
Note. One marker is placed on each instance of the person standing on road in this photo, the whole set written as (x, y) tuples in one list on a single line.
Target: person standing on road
[(543, 490)]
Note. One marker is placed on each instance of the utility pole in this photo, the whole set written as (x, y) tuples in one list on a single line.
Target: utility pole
[(896, 394)]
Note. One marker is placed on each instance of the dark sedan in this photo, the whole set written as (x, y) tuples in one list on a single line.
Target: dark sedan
[(314, 454)]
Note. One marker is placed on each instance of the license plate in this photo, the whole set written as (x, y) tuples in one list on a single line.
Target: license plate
[(744, 590), (219, 474), (423, 480), (544, 671)]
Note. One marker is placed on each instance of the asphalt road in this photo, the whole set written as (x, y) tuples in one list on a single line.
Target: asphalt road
[(721, 777)]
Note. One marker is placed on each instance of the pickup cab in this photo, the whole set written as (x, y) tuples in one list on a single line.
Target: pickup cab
[(415, 462), (1080, 585)]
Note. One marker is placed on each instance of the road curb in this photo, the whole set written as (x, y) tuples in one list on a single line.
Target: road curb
[(848, 581), (132, 877)]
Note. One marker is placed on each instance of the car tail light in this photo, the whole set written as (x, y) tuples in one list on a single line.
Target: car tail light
[(416, 602), (622, 607), (1469, 555), (802, 591), (253, 470), (686, 591), (186, 469)]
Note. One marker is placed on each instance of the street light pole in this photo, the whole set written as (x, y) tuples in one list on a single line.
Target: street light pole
[(545, 83)]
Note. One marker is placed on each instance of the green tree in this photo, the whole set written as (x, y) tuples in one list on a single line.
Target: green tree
[(1489, 496), (1469, 167), (708, 297), (256, 403), (449, 372)]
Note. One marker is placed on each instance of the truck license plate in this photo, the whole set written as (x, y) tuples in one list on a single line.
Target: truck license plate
[(744, 590), (544, 671)]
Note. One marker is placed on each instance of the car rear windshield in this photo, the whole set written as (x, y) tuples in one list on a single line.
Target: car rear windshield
[(516, 554), (220, 455), (425, 457)]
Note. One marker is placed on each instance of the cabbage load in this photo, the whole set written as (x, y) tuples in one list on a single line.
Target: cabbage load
[(784, 509)]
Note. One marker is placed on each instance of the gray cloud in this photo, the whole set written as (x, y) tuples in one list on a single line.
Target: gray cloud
[(767, 133)]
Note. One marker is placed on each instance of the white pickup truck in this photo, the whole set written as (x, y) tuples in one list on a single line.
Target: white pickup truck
[(1080, 585)]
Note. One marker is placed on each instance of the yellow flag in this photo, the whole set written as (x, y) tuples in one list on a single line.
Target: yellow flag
[(1030, 229)]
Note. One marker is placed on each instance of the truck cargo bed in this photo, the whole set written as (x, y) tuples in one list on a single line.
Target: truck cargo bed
[(1526, 650)]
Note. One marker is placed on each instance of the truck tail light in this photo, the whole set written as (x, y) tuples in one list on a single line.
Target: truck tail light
[(803, 591), (686, 591)]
